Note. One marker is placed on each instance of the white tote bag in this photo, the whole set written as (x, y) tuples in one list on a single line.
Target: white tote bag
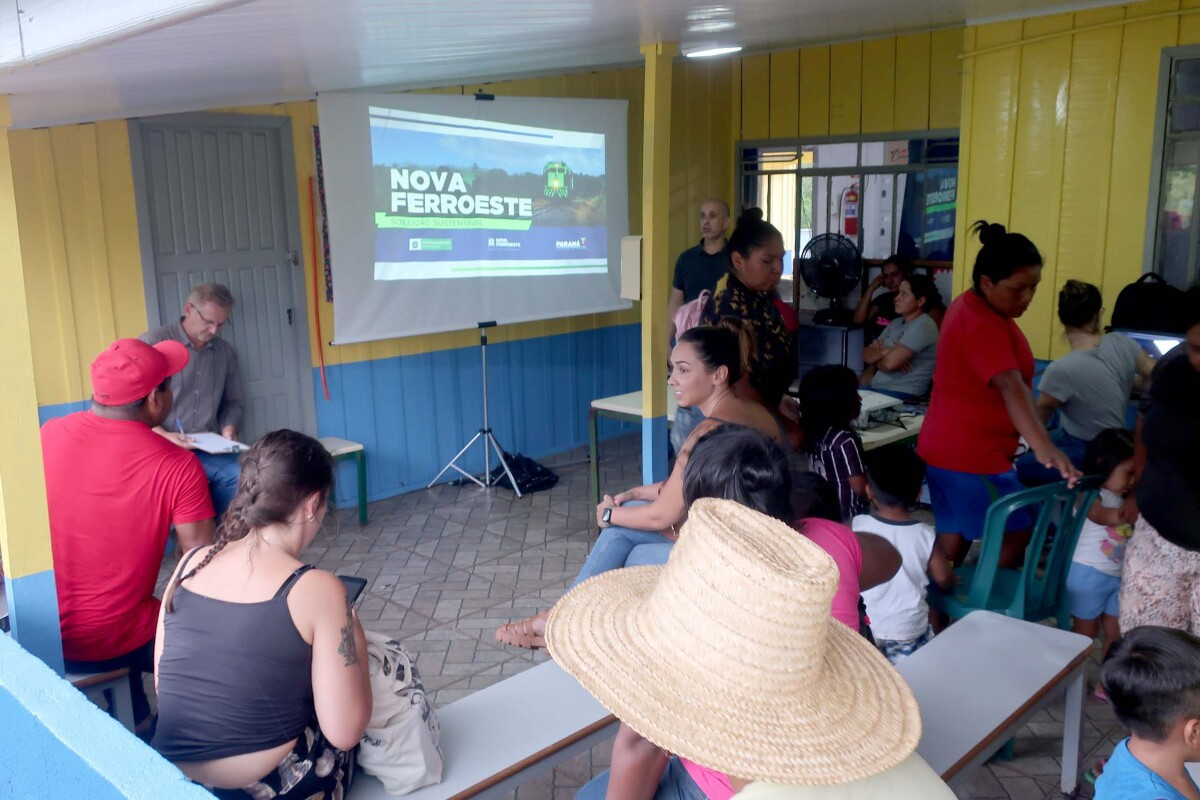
[(400, 745)]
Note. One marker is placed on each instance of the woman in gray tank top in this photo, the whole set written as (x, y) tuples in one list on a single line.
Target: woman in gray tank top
[(260, 661)]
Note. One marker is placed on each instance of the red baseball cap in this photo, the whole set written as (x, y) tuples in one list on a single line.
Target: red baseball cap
[(130, 369)]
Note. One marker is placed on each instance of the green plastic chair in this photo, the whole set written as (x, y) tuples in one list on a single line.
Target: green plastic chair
[(1038, 590)]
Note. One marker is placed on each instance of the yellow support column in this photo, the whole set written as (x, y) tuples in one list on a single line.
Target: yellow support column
[(24, 524), (656, 258)]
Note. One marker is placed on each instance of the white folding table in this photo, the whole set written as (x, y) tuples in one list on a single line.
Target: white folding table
[(983, 678), (627, 407)]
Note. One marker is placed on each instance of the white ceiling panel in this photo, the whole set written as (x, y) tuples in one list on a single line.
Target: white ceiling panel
[(220, 53), (42, 28), (10, 32)]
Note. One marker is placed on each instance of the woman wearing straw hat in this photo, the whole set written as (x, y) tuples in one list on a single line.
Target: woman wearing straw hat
[(706, 363), (727, 657)]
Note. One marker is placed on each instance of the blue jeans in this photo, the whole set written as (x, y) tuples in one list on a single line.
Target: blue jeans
[(675, 784), (644, 554), (1031, 473), (686, 420), (222, 471), (613, 546)]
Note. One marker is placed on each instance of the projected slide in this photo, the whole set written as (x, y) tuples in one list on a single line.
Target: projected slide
[(468, 198), (445, 211)]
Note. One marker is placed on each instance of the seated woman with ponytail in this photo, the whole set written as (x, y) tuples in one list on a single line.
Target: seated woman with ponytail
[(260, 663), (706, 363)]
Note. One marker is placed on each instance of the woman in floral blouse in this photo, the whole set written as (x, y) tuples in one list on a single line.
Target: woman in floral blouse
[(748, 293)]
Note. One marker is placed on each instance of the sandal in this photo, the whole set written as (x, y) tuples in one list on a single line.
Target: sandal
[(521, 634)]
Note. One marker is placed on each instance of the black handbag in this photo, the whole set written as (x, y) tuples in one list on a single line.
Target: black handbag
[(529, 474), (1150, 304)]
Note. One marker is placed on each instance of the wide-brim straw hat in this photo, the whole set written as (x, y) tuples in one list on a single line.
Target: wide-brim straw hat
[(728, 656)]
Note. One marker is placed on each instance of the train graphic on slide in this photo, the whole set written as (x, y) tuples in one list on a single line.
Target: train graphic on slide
[(559, 179)]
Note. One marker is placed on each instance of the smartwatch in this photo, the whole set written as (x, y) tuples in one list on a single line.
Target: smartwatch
[(606, 516)]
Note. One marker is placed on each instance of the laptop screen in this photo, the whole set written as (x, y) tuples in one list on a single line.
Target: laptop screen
[(1156, 345)]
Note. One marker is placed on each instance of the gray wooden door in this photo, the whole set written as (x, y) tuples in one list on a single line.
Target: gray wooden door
[(214, 201)]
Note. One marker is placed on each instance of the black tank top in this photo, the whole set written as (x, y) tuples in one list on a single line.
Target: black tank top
[(233, 678)]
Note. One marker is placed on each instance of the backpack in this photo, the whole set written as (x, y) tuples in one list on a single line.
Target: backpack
[(1150, 304), (529, 474), (688, 315)]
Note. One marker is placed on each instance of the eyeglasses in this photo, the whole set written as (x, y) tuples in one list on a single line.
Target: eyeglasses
[(216, 326)]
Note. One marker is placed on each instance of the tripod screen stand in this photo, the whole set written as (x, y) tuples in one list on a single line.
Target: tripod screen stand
[(485, 433)]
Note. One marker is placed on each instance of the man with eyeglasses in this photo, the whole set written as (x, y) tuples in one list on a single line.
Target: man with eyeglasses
[(208, 392)]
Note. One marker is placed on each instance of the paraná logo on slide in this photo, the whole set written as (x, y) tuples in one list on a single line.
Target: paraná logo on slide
[(571, 244)]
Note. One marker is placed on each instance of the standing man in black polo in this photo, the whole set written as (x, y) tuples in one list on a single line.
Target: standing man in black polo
[(698, 268)]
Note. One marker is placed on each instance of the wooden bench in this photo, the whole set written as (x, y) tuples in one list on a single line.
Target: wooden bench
[(977, 683), (107, 689), (983, 678), (500, 737), (344, 449)]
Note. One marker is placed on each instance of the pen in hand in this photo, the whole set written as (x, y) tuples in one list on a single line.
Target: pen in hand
[(183, 437)]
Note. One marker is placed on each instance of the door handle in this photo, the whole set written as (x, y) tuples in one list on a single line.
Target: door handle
[(289, 313)]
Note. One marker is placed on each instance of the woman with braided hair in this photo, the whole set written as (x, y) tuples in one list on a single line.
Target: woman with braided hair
[(260, 663)]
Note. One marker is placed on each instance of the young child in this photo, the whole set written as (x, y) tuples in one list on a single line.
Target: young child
[(829, 403), (1152, 676), (897, 609), (1094, 580)]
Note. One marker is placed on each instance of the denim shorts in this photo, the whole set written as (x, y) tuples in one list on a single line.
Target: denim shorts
[(1092, 592), (896, 650), (960, 501)]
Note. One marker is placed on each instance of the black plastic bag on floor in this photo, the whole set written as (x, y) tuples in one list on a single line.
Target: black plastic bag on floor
[(529, 474)]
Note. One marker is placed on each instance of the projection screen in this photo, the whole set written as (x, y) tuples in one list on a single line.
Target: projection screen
[(445, 211)]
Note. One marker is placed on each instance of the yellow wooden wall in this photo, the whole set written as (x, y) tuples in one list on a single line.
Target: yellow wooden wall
[(79, 245), (1056, 117), (904, 83), (702, 141), (1057, 127), (79, 240)]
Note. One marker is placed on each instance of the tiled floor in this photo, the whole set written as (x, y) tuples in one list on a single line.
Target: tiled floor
[(446, 566)]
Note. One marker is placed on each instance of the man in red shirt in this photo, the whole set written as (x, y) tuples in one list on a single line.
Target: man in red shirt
[(114, 488)]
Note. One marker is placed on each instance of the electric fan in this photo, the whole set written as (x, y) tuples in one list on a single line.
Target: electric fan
[(831, 266)]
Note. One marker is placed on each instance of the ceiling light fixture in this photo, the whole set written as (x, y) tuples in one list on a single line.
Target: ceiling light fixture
[(711, 26), (712, 52)]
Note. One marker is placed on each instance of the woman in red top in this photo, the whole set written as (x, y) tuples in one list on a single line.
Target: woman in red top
[(982, 398)]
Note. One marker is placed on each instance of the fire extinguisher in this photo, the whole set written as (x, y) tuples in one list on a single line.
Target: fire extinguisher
[(850, 210)]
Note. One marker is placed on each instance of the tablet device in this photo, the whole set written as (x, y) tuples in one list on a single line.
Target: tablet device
[(354, 586)]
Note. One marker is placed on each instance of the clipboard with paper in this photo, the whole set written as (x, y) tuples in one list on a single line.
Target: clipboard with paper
[(215, 443)]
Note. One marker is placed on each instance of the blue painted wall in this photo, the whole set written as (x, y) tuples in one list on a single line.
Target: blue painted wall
[(413, 413), (47, 413), (56, 744), (32, 604)]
